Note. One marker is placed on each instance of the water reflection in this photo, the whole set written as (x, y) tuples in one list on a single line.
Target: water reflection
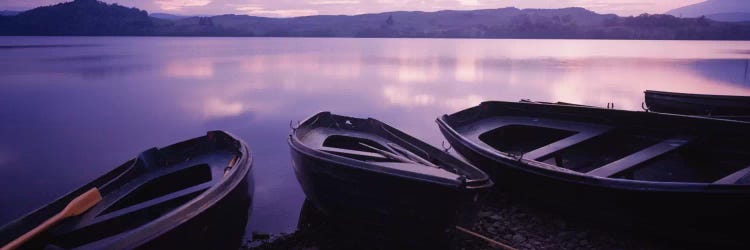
[(5, 157), (215, 107), (85, 58), (68, 121), (735, 71), (42, 46), (468, 68), (399, 95), (199, 68)]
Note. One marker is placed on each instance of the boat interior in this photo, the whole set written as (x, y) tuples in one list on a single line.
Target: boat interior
[(613, 152), (375, 143), (371, 148), (145, 188)]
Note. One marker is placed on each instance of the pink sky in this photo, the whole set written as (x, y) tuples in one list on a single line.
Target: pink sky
[(286, 8)]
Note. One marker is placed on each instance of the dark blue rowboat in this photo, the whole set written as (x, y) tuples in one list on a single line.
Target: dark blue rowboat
[(717, 106), (666, 173), (366, 170), (193, 194)]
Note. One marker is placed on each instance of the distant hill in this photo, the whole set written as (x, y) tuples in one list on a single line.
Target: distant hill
[(719, 10), (167, 16), (90, 17), (730, 17), (80, 17), (8, 13), (507, 22), (571, 23)]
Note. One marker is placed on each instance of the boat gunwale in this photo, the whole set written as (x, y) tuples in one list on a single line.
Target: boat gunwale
[(654, 93), (686, 103), (729, 118), (542, 169)]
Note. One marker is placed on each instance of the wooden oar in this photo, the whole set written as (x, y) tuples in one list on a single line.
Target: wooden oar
[(411, 155), (389, 154), (76, 207)]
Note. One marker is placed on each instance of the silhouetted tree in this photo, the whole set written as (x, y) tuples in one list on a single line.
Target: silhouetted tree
[(205, 21)]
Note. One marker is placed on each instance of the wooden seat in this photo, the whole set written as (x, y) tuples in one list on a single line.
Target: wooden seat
[(639, 157), (734, 177), (581, 136), (583, 131)]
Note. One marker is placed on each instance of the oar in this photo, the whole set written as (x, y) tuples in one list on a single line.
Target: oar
[(485, 238), (411, 155), (389, 154), (76, 207)]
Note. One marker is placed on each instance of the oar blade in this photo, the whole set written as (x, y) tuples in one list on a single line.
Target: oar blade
[(83, 202), (75, 207)]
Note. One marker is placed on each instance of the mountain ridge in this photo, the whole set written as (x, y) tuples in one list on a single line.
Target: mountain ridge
[(91, 17), (9, 12), (711, 7), (718, 10), (730, 17), (167, 16), (80, 17)]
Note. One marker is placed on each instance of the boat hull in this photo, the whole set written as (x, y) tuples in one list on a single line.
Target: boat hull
[(696, 213), (381, 200), (210, 213), (220, 227), (732, 107)]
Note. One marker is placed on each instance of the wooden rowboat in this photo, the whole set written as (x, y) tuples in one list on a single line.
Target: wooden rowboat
[(193, 194), (364, 169), (658, 172), (717, 106)]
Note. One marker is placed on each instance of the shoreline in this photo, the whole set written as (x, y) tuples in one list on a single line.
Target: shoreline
[(502, 218)]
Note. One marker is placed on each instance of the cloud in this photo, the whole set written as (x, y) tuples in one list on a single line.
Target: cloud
[(469, 2), (179, 4), (257, 10), (334, 2)]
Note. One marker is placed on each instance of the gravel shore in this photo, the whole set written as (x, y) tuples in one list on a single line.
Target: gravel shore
[(501, 218), (523, 226)]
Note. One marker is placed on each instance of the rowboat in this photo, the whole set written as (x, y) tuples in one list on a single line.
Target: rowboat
[(193, 194), (643, 169), (718, 106), (371, 172)]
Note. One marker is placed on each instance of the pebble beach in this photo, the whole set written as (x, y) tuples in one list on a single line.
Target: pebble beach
[(511, 222)]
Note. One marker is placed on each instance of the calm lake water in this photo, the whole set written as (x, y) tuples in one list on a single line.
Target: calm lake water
[(72, 108)]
